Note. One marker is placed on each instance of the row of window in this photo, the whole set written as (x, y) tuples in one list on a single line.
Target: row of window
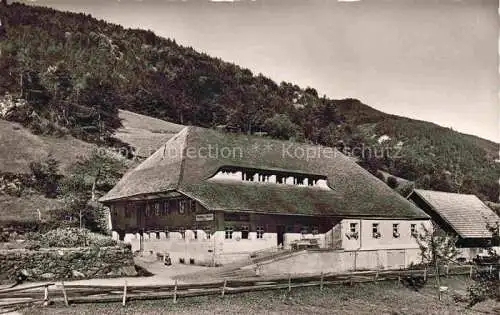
[(228, 232), (182, 231), (244, 229), (162, 208), (353, 228)]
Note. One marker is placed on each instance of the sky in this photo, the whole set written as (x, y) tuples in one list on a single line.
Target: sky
[(434, 60)]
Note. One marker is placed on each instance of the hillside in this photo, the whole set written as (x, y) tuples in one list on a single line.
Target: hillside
[(76, 72)]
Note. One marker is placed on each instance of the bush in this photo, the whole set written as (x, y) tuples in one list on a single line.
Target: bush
[(68, 237), (392, 182)]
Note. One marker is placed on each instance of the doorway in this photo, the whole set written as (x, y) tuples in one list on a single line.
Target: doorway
[(280, 231)]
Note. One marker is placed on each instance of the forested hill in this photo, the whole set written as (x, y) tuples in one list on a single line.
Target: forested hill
[(76, 71)]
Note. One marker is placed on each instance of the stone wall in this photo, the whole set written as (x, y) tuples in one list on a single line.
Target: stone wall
[(66, 263)]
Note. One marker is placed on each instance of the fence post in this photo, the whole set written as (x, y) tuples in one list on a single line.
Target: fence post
[(491, 268), (376, 275), (321, 282), (470, 272), (425, 273), (124, 301), (175, 292), (64, 293), (46, 295), (447, 270), (224, 288), (289, 282)]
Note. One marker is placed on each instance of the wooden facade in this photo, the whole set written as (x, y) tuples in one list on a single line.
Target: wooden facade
[(181, 213)]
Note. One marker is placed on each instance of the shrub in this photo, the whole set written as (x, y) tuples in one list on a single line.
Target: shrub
[(69, 237)]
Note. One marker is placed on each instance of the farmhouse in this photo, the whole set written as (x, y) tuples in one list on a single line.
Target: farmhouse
[(463, 215), (209, 196)]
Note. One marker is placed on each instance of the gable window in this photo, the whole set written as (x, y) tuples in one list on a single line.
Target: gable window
[(260, 232), (413, 230), (228, 232), (375, 230), (395, 230), (244, 232)]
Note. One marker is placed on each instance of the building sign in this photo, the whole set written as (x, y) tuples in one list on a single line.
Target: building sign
[(205, 217)]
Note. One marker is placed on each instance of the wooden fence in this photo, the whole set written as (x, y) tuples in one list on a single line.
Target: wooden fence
[(39, 294)]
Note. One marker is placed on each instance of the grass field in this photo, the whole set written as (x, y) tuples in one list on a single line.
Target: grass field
[(370, 298)]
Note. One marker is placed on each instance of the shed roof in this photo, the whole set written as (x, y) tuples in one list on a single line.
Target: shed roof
[(466, 214)]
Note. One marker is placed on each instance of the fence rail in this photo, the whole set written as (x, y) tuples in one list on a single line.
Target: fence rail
[(16, 296)]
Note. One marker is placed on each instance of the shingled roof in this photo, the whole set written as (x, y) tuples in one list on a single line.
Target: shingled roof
[(466, 214), (179, 166)]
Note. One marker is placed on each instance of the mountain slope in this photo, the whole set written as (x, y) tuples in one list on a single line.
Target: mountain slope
[(76, 71)]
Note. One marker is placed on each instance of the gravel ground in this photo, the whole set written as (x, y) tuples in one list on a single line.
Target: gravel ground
[(371, 298)]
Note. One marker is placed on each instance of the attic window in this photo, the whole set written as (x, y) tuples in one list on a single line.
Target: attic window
[(237, 173)]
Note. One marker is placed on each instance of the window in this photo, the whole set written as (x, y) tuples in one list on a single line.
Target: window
[(156, 208), (244, 232), (353, 227), (192, 206), (195, 232), (128, 210), (165, 210), (413, 230), (353, 231), (182, 206), (315, 230), (304, 229), (183, 232), (208, 231), (395, 230), (148, 210), (228, 232), (375, 230), (260, 231)]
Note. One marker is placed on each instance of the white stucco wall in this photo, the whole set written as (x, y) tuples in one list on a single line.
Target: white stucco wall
[(366, 241)]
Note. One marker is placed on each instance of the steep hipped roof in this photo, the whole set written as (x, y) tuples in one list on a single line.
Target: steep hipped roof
[(188, 160), (466, 214)]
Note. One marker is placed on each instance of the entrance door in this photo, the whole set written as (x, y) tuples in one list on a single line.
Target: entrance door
[(280, 231)]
